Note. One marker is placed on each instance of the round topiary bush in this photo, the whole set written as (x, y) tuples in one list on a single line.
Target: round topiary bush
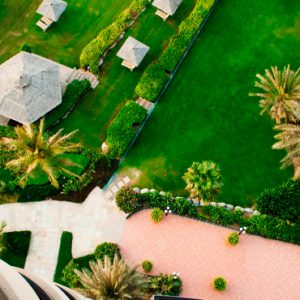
[(220, 284), (127, 200), (157, 214), (233, 238), (107, 249), (147, 266)]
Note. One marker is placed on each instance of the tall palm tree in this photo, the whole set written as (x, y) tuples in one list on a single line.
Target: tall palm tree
[(204, 180), (289, 139), (280, 95), (112, 280), (36, 149)]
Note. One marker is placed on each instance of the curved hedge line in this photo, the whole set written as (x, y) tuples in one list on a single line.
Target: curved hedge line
[(121, 131), (91, 53)]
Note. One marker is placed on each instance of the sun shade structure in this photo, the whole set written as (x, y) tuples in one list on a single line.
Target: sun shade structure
[(29, 87), (132, 53), (52, 9), (168, 7)]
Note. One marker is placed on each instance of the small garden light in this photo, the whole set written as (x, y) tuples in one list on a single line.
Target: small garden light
[(175, 275), (168, 211), (242, 230)]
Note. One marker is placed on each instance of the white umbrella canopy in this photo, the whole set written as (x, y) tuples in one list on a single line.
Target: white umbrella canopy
[(29, 87), (167, 6), (52, 9)]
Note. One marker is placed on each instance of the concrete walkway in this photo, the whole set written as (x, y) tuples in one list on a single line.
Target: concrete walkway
[(256, 269), (95, 221)]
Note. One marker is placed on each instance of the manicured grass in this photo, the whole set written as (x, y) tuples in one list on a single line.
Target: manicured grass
[(93, 115), (63, 42), (206, 113)]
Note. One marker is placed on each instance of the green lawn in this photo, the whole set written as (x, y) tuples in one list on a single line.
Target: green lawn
[(94, 113), (206, 113)]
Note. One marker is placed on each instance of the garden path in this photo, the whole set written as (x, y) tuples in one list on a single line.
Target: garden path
[(95, 221), (256, 268)]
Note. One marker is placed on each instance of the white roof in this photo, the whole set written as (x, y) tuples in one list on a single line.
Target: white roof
[(52, 9), (29, 87), (167, 6), (133, 51)]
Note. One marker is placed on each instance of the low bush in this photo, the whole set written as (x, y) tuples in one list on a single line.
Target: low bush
[(127, 200), (7, 131), (152, 82), (69, 277), (91, 53), (26, 48), (157, 214), (220, 284), (233, 238), (147, 266), (107, 249), (282, 201), (35, 192), (64, 255), (122, 129), (165, 285), (16, 248), (75, 90)]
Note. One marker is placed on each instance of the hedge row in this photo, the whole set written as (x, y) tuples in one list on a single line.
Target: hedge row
[(91, 53), (72, 94), (155, 77), (263, 225), (122, 130)]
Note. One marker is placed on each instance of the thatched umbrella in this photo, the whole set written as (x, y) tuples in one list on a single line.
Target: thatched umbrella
[(52, 9), (167, 6)]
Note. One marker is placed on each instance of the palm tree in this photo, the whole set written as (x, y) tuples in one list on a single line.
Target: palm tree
[(112, 280), (280, 95), (289, 139), (203, 180), (36, 149)]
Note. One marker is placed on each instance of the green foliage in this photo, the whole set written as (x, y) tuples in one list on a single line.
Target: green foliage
[(64, 255), (16, 248), (220, 284), (26, 47), (147, 266), (282, 201), (157, 214), (233, 238), (165, 285), (127, 200), (7, 131), (91, 53), (121, 131), (35, 192), (107, 249), (152, 82), (69, 277), (75, 90)]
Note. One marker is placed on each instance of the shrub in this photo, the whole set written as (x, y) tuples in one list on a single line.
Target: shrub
[(282, 201), (121, 131), (16, 248), (165, 285), (220, 284), (26, 48), (147, 266), (107, 249), (92, 52), (75, 90), (127, 200), (35, 192), (64, 255), (7, 131), (152, 82), (233, 238), (69, 277), (157, 214)]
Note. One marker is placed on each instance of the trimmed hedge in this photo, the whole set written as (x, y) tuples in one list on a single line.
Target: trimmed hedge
[(16, 248), (122, 130), (127, 200), (64, 255), (282, 201), (91, 53), (72, 94)]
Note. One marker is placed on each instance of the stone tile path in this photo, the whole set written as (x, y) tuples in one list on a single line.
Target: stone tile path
[(95, 221), (256, 269)]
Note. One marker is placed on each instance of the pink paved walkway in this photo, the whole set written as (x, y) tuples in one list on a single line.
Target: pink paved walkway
[(256, 269)]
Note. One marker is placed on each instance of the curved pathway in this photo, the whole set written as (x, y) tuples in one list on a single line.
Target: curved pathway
[(95, 221), (256, 268)]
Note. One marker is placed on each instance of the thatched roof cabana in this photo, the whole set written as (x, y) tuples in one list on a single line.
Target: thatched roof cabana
[(133, 52), (29, 87), (167, 6), (52, 9)]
